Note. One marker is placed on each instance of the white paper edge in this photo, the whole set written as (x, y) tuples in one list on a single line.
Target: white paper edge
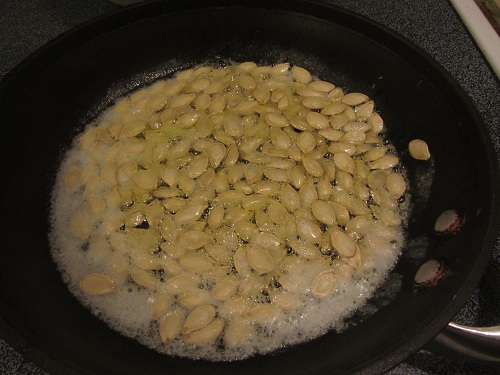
[(481, 30)]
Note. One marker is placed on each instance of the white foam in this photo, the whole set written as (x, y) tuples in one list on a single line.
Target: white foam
[(127, 309)]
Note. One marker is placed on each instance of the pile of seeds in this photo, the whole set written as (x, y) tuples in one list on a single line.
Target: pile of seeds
[(233, 195)]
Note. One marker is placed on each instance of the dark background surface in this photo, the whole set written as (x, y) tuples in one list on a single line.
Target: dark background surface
[(26, 25)]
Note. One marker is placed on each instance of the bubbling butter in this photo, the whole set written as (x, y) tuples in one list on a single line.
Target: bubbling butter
[(229, 211)]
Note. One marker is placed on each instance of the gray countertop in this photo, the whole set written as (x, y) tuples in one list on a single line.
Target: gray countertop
[(26, 25)]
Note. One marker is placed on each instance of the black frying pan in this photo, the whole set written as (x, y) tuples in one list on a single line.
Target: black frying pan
[(47, 100)]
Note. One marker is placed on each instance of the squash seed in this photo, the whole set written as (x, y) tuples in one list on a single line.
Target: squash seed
[(419, 149), (192, 299), (170, 325), (323, 211), (206, 334), (259, 259), (323, 284), (97, 283), (160, 305), (342, 243), (250, 177), (238, 331), (301, 75), (276, 120), (198, 318), (354, 98), (396, 184)]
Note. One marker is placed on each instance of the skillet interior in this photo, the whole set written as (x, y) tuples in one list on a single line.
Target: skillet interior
[(48, 99)]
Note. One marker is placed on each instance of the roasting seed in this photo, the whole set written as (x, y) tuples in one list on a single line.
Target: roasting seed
[(323, 284), (239, 191), (419, 149), (199, 318), (97, 283)]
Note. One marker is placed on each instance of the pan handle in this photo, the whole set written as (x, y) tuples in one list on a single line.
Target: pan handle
[(480, 345)]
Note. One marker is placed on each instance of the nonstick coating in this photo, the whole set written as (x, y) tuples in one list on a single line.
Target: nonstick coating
[(47, 100)]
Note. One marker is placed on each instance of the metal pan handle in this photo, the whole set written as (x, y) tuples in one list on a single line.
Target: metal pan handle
[(480, 345)]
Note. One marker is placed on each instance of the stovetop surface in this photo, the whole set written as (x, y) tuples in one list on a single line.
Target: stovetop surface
[(433, 25)]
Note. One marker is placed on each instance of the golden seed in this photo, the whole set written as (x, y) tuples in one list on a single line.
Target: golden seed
[(97, 284), (419, 149), (170, 325), (214, 174), (199, 318), (354, 98), (323, 284)]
